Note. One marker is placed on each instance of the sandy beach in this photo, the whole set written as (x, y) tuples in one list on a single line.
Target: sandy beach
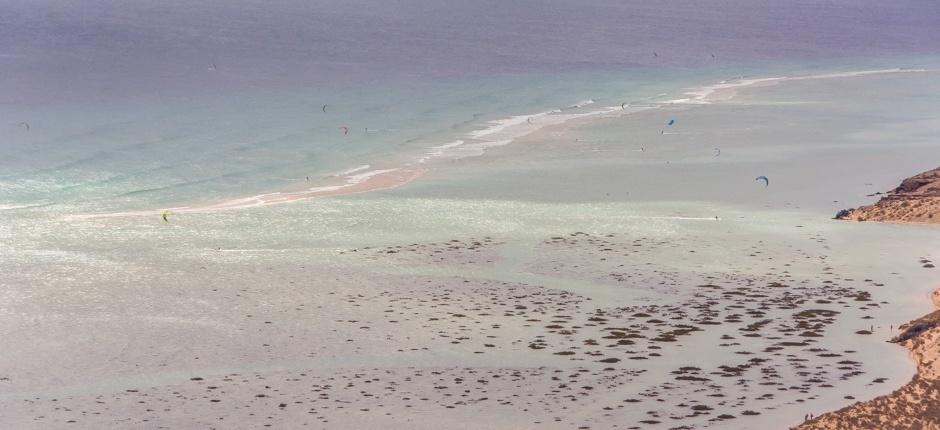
[(511, 293), (916, 404)]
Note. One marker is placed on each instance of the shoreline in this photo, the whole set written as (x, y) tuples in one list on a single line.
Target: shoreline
[(491, 134), (915, 404), (374, 180), (915, 201)]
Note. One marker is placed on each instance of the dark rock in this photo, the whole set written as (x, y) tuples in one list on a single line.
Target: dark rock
[(914, 330), (843, 214)]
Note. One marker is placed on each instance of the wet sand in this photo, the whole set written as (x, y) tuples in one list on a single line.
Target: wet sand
[(374, 180), (916, 405), (669, 348)]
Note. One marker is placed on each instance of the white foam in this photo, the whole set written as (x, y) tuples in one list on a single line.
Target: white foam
[(700, 95), (354, 170), (250, 202), (501, 125), (268, 198), (439, 151), (856, 73), (504, 131), (449, 145), (8, 207), (362, 177), (581, 104)]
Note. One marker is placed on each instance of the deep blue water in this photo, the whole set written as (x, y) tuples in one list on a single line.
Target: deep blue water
[(51, 50)]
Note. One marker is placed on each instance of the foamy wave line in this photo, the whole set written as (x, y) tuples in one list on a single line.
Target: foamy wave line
[(581, 104), (354, 170), (710, 93), (371, 180), (676, 217), (504, 131), (10, 207), (438, 151)]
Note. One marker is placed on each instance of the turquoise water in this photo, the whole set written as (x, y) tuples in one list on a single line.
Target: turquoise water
[(171, 158), (141, 154), (150, 152)]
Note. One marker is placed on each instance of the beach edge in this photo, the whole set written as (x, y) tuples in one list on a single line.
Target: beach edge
[(916, 404)]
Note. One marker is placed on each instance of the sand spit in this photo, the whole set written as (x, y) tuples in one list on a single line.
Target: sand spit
[(494, 133), (727, 90), (373, 180), (916, 200), (913, 406)]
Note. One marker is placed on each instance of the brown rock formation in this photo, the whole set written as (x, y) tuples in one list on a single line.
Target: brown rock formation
[(916, 200)]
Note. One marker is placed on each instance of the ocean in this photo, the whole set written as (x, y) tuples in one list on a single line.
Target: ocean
[(138, 104)]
